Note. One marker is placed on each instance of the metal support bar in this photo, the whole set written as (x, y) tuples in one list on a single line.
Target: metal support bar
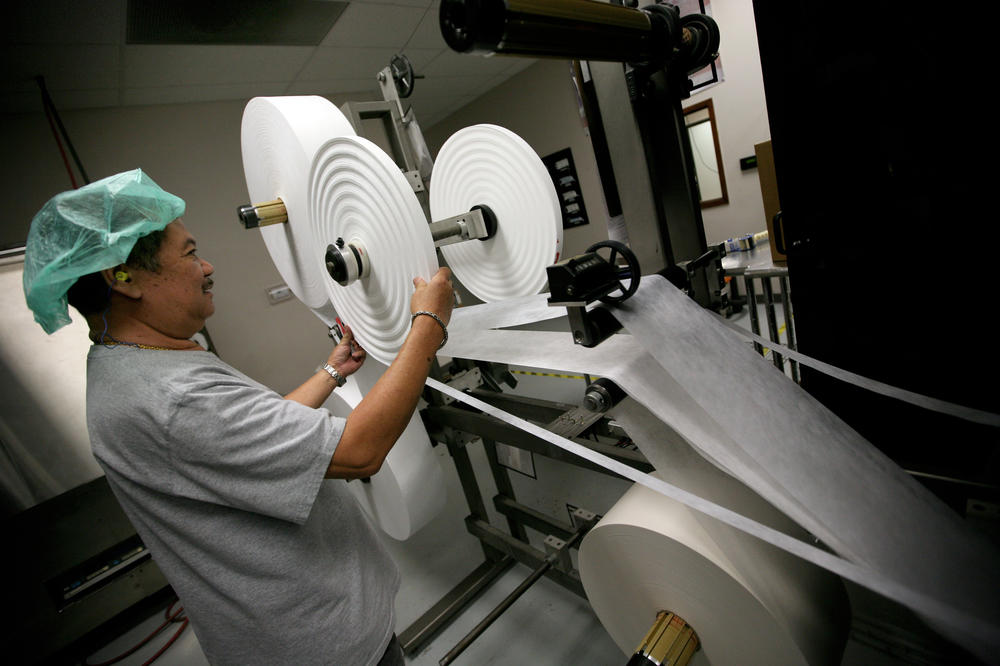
[(786, 306), (502, 480), (497, 430), (467, 477), (752, 306), (532, 409), (524, 553), (772, 321), (536, 520), (550, 560), (443, 612)]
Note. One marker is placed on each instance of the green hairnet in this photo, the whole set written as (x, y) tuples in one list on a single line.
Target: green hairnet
[(87, 230)]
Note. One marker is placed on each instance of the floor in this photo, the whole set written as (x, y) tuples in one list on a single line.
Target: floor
[(548, 624)]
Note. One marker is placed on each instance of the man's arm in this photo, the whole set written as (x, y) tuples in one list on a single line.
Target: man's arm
[(380, 418), (345, 358)]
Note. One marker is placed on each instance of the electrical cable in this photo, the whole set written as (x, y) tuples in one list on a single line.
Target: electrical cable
[(170, 619), (184, 621), (62, 151), (51, 107)]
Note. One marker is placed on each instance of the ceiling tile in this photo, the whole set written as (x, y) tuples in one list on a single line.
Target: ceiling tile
[(199, 93), (87, 99), (428, 33), (420, 58), (408, 3), (431, 111), (31, 101), (368, 85), (374, 25), (448, 86), (519, 64), (65, 67), (161, 66), (63, 22), (450, 63), (24, 101), (334, 62)]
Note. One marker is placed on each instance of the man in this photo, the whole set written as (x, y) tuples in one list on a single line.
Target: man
[(223, 478)]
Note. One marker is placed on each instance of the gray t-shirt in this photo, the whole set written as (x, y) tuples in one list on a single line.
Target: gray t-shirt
[(223, 480)]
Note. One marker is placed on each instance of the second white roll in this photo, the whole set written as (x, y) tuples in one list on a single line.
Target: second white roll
[(492, 166)]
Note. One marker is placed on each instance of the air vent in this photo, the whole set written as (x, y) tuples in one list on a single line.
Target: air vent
[(261, 22)]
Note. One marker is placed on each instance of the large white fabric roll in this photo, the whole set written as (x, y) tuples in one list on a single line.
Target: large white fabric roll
[(409, 490), (279, 137), (748, 602), (492, 166), (357, 193), (650, 553)]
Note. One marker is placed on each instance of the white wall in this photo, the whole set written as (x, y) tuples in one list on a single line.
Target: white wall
[(741, 117), (44, 447)]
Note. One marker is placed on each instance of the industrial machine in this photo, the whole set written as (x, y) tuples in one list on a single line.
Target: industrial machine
[(628, 58), (640, 61)]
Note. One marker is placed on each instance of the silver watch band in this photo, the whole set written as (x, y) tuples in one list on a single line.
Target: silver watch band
[(332, 371)]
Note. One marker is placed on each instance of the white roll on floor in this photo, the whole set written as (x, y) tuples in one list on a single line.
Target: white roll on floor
[(750, 598), (357, 193), (492, 166), (409, 490), (279, 137), (650, 553)]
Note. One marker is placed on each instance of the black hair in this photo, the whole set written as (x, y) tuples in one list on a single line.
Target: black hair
[(90, 293)]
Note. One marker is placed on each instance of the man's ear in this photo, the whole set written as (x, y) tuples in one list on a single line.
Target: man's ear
[(119, 280)]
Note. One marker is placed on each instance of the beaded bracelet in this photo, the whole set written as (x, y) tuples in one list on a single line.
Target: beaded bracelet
[(435, 318)]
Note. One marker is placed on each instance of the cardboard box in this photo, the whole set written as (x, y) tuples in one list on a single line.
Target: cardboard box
[(769, 193)]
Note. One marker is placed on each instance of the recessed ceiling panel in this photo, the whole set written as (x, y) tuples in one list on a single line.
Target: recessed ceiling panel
[(262, 22)]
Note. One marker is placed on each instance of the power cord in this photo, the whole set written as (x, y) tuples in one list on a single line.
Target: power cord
[(170, 618)]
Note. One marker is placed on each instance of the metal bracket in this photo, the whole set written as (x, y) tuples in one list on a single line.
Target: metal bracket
[(462, 227), (573, 422), (416, 182), (463, 381), (557, 547), (584, 520)]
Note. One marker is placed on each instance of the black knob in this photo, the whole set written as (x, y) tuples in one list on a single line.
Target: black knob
[(335, 264)]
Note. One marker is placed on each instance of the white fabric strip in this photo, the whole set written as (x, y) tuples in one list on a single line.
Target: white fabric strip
[(959, 620), (739, 412), (927, 402)]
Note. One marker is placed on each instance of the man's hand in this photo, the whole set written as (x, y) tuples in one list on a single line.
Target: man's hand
[(348, 355), (437, 296)]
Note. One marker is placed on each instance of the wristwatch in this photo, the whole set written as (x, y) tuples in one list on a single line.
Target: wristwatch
[(332, 371)]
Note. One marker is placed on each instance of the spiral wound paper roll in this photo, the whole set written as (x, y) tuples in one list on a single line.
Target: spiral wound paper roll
[(279, 137), (409, 490), (358, 194), (489, 165)]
